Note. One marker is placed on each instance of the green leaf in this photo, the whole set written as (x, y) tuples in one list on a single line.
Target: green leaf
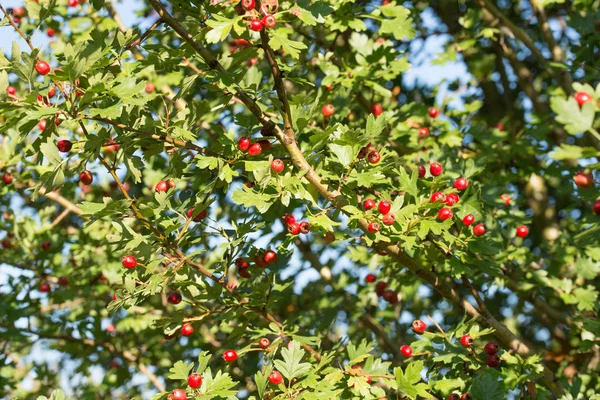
[(279, 40), (249, 198), (570, 152), (50, 151), (292, 366), (221, 27), (408, 183), (576, 119), (323, 221), (344, 153), (399, 23), (408, 380), (358, 354), (180, 370), (486, 386)]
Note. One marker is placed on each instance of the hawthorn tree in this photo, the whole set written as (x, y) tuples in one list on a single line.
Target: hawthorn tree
[(245, 199)]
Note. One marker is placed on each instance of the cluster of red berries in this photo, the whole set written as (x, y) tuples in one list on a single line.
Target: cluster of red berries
[(369, 151), (164, 186), (262, 259), (491, 348), (382, 291), (384, 207), (253, 149), (294, 227), (256, 23)]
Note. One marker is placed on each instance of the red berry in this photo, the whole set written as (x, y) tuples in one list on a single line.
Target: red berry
[(452, 199), (406, 350), (444, 214), (269, 21), (255, 149), (256, 25), (468, 219), (376, 109), (44, 287), (149, 88), (373, 227), (435, 169), (294, 228), (195, 381), (42, 67), (275, 378), (389, 219), (73, 3), (327, 110), (304, 227), (374, 157), (384, 207), (493, 361), (582, 98), (370, 278), (390, 296), (289, 219), (418, 326), (466, 396), (244, 144), (177, 394), (277, 165), (491, 348), (18, 12), (380, 288), (466, 341), (51, 91), (270, 257), (264, 343), (86, 177), (42, 125), (362, 153), (162, 187), (453, 396), (7, 178), (422, 170), (51, 32), (201, 215), (522, 231), (11, 90), (433, 112), (110, 328), (595, 207), (423, 132), (63, 281), (260, 261), (244, 273), (252, 61), (479, 230), (129, 262), (369, 204), (438, 196), (187, 330), (64, 146), (174, 298), (248, 4), (46, 246), (230, 355), (461, 183), (505, 198), (583, 179)]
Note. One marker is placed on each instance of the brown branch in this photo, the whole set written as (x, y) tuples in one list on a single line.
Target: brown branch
[(139, 40)]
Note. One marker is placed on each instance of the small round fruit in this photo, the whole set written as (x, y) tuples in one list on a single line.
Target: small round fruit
[(44, 287), (46, 246), (256, 25), (389, 219), (162, 187), (423, 132), (584, 180), (187, 330), (264, 343), (269, 21), (438, 196), (177, 394), (466, 396), (11, 90), (369, 204), (201, 215), (370, 278), (244, 143), (174, 298), (418, 326), (149, 88), (380, 288), (129, 262), (230, 355), (195, 381), (522, 231), (445, 213), (260, 261), (7, 178), (277, 165), (461, 184), (110, 328), (64, 146), (376, 109), (493, 361), (63, 281), (288, 219), (248, 4), (304, 227), (42, 67), (406, 350), (255, 149), (73, 3), (373, 227), (453, 396), (244, 273), (294, 228), (390, 296), (384, 207), (596, 207), (435, 169), (479, 230), (50, 32), (500, 126), (452, 199), (270, 257), (422, 170), (491, 348), (374, 157), (468, 219), (582, 98), (275, 378), (52, 91), (466, 340), (86, 177), (433, 112), (328, 110), (362, 153)]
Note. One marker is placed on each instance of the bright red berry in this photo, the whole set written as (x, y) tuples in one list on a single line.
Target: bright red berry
[(418, 326), (277, 165), (7, 178), (256, 25), (438, 196), (522, 231), (294, 228), (174, 298), (64, 146), (479, 230), (304, 227), (423, 132), (461, 183), (374, 157), (129, 262), (582, 98), (248, 4), (264, 343), (195, 381), (86, 177), (44, 287), (51, 91), (491, 348), (327, 110), (376, 109), (435, 169), (162, 187), (275, 378), (177, 394), (201, 215), (373, 227), (149, 88), (11, 90), (369, 204), (73, 3), (468, 219), (244, 144), (289, 219), (445, 213), (433, 112), (230, 355), (466, 340), (493, 361), (596, 207), (370, 278), (42, 67), (389, 219), (384, 207), (255, 149), (452, 199), (583, 179), (269, 21), (51, 32), (422, 170), (270, 257), (187, 330), (505, 198), (406, 350)]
